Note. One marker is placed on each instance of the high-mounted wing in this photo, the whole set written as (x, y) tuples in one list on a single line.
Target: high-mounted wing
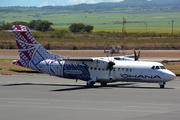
[(91, 62), (79, 59)]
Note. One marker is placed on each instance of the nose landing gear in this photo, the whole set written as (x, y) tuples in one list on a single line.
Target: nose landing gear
[(162, 84)]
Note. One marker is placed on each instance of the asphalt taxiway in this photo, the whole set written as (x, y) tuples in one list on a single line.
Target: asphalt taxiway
[(50, 98)]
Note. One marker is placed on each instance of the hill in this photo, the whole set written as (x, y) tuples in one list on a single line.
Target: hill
[(165, 1), (155, 13)]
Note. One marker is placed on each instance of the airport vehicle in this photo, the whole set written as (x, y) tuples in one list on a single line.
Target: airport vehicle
[(101, 70)]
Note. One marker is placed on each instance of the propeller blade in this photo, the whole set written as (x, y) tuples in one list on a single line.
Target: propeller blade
[(135, 57), (138, 55), (110, 64), (109, 72), (110, 67)]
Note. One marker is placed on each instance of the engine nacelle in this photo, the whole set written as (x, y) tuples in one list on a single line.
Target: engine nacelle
[(97, 63)]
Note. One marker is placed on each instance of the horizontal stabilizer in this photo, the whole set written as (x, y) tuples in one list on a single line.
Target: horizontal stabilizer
[(19, 30)]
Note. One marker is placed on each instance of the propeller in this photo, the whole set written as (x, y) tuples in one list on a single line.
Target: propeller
[(110, 64), (136, 57)]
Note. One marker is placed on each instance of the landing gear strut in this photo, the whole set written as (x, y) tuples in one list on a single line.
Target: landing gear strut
[(103, 84), (90, 83), (162, 85)]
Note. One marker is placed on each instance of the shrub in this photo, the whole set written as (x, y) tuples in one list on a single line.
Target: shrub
[(60, 34), (47, 46), (36, 34), (2, 46), (75, 48), (11, 46)]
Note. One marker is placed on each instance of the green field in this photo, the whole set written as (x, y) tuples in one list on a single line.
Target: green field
[(103, 20), (107, 28)]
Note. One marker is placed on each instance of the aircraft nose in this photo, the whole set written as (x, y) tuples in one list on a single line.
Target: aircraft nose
[(171, 75)]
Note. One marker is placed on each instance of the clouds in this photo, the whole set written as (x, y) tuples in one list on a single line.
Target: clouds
[(40, 3), (90, 1), (43, 4), (74, 2)]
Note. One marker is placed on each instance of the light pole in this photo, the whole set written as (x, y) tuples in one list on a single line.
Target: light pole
[(146, 26), (172, 27)]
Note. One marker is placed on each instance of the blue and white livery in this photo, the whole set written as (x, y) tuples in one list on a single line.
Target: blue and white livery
[(93, 70)]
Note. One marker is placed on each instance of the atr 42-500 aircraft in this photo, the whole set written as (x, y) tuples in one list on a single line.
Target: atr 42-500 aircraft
[(102, 70)]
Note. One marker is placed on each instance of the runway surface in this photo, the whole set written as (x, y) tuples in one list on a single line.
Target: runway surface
[(51, 98)]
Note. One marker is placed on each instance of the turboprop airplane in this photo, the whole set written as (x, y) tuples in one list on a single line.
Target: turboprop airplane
[(101, 70)]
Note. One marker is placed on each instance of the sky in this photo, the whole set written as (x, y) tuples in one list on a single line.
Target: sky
[(40, 3)]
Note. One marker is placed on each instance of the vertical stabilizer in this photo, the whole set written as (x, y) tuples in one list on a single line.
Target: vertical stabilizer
[(25, 42), (27, 46), (29, 49)]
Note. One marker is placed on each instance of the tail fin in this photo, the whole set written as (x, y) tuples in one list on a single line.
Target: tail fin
[(30, 51), (27, 46)]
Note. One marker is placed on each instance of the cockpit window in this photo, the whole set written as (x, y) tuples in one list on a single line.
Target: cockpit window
[(153, 67), (157, 67), (162, 67)]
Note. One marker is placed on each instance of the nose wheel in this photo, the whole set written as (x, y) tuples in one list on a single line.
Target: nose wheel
[(162, 85)]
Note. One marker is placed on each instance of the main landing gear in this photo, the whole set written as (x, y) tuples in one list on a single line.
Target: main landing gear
[(162, 84), (91, 83), (103, 84)]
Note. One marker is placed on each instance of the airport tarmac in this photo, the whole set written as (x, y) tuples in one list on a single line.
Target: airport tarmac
[(50, 98)]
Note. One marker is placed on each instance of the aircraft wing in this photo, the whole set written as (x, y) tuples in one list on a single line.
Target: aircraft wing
[(90, 62), (76, 60), (79, 59), (129, 56)]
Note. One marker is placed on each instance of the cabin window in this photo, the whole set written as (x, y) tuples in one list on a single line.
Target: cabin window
[(114, 69), (99, 69), (122, 69), (94, 68), (118, 69), (131, 70), (91, 68), (126, 69)]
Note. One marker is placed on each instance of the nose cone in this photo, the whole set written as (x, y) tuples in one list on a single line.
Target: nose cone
[(170, 75)]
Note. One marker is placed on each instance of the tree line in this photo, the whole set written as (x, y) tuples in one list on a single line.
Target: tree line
[(44, 25), (39, 25)]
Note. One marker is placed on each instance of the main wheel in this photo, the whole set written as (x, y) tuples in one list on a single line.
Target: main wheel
[(91, 84), (103, 83), (162, 86)]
